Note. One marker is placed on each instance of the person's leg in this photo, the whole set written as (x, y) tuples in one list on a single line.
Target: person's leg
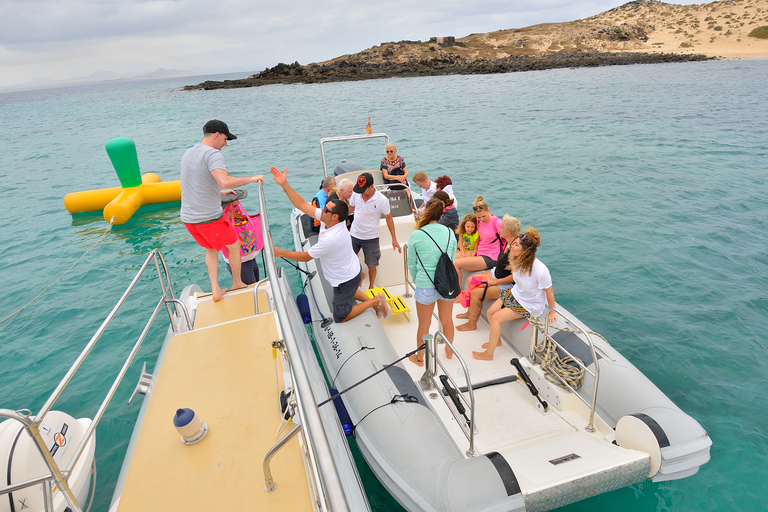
[(235, 264), (476, 302), (470, 264), (212, 264), (497, 315), (371, 256), (364, 304), (445, 313), (249, 271), (424, 314)]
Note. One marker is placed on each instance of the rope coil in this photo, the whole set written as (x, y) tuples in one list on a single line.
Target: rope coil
[(558, 368)]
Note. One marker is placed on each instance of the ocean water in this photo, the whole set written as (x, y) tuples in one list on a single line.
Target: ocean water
[(649, 185)]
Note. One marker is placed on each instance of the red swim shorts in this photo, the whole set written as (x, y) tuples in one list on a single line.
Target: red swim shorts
[(213, 235)]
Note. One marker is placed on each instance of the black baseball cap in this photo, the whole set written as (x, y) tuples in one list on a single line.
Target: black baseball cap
[(216, 126), (364, 181)]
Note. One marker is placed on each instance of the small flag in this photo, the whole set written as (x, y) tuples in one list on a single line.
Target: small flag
[(368, 126)]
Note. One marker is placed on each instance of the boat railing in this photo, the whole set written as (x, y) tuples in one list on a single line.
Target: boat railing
[(544, 329), (325, 473), (59, 477), (408, 283), (456, 401), (347, 137)]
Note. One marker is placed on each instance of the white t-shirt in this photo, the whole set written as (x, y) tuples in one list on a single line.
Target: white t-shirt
[(529, 289), (449, 190), (334, 250), (427, 193), (367, 215)]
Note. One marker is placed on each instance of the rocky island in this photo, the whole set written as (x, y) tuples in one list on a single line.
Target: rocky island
[(638, 32)]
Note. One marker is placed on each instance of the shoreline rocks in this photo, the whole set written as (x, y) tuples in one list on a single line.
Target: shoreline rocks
[(345, 69)]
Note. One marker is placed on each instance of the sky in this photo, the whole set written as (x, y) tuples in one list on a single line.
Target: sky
[(65, 39)]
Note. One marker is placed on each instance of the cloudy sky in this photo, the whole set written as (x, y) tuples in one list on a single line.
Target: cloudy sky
[(63, 39)]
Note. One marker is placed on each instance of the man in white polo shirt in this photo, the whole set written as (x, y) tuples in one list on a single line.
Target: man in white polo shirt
[(341, 267), (369, 205)]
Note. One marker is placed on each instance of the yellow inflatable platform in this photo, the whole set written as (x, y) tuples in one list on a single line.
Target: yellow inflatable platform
[(120, 203)]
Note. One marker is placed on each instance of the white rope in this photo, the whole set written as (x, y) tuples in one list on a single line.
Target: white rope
[(62, 275), (569, 369)]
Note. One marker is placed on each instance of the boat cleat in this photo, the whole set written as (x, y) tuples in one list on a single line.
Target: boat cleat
[(145, 379)]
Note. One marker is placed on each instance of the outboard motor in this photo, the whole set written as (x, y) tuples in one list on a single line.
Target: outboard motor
[(22, 460), (347, 166)]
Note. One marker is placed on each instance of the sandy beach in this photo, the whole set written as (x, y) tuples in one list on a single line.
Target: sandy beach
[(717, 29)]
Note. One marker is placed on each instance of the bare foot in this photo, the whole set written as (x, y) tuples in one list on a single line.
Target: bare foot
[(383, 306), (415, 360), (466, 327), (448, 352), (217, 297), (484, 345), (238, 285), (483, 356), (463, 316)]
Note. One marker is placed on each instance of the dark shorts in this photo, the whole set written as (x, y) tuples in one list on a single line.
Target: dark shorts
[(489, 262), (249, 271), (213, 235), (344, 297), (371, 250)]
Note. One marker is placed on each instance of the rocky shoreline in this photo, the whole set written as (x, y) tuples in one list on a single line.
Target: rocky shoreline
[(638, 32), (346, 70)]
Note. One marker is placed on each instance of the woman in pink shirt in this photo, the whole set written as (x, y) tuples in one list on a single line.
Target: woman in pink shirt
[(489, 245)]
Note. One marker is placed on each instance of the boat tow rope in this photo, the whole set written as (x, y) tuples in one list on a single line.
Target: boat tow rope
[(353, 386), (333, 382), (62, 275), (556, 367), (405, 399)]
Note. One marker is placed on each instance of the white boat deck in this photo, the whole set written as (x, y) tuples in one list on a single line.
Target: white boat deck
[(224, 370), (508, 419)]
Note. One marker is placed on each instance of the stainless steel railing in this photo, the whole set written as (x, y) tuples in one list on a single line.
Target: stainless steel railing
[(544, 328), (428, 381), (325, 473), (60, 476)]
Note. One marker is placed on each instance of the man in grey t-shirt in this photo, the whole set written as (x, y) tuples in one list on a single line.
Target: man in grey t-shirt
[(203, 176)]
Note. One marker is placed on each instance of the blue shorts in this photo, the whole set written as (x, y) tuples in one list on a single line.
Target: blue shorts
[(427, 296)]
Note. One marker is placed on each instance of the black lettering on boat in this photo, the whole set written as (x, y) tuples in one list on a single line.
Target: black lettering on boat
[(333, 342)]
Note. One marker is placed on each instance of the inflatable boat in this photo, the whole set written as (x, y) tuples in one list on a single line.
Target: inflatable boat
[(513, 434), (229, 418)]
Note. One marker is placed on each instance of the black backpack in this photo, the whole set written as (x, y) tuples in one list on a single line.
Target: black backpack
[(446, 280)]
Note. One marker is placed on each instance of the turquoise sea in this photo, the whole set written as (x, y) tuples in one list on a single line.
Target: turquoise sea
[(649, 185)]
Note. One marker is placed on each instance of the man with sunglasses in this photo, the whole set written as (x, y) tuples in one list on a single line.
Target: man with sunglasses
[(333, 249)]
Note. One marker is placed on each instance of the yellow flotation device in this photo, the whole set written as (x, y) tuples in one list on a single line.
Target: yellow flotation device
[(136, 191)]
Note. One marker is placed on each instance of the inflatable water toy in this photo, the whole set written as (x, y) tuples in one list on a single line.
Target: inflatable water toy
[(120, 203)]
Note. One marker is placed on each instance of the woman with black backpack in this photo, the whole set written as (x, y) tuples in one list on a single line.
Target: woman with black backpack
[(427, 243)]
